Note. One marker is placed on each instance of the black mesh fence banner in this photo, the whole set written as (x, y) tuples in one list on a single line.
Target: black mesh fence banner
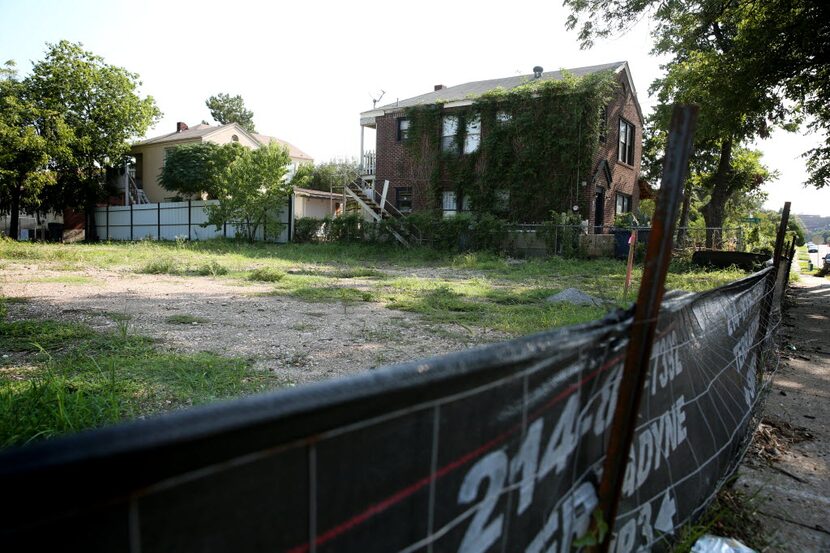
[(498, 448)]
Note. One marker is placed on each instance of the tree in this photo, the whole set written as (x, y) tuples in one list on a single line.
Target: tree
[(328, 177), (225, 109), (196, 168), (103, 112), (29, 138), (252, 189), (746, 51)]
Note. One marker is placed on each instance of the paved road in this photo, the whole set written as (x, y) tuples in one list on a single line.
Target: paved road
[(794, 492)]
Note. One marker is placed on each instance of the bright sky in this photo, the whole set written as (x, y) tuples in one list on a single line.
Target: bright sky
[(307, 69)]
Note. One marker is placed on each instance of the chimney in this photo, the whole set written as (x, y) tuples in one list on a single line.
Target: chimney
[(439, 87), (537, 71), (181, 126)]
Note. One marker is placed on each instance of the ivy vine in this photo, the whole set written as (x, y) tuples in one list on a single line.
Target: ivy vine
[(538, 142)]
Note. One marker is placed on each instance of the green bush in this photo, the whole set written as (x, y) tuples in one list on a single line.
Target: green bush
[(211, 268), (306, 229), (162, 266), (346, 228), (489, 233)]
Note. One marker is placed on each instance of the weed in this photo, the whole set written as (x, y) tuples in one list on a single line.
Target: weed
[(211, 268)]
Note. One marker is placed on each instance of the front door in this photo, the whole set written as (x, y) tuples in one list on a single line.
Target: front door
[(599, 211)]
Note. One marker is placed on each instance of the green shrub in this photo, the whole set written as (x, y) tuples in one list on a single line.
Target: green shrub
[(266, 274), (346, 228), (306, 229), (489, 232), (212, 268)]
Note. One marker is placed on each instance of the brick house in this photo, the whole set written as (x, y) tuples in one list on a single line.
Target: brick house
[(609, 188)]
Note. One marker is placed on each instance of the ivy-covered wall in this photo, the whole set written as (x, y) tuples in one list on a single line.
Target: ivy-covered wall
[(538, 143)]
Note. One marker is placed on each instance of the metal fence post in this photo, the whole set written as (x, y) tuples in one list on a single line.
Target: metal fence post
[(189, 213), (646, 311)]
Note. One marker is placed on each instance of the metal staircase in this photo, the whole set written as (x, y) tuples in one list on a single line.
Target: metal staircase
[(378, 208)]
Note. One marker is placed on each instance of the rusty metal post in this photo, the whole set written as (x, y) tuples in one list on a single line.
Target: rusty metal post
[(647, 308), (790, 259)]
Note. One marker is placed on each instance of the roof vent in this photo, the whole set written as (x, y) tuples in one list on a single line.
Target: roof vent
[(439, 87), (537, 71)]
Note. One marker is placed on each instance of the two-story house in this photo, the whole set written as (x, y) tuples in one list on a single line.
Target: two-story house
[(600, 185), (150, 154)]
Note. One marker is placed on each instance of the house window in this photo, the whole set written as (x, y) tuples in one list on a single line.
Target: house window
[(403, 199), (603, 125), (449, 128), (623, 204), (472, 138), (625, 147), (465, 202), (403, 129), (503, 117), (449, 204)]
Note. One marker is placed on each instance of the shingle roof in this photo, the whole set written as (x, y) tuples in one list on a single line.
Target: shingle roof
[(470, 90), (196, 131), (293, 151)]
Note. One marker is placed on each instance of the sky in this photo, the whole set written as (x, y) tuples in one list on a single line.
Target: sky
[(307, 69)]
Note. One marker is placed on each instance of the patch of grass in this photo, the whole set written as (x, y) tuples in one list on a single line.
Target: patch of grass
[(303, 327), (79, 378), (184, 320), (731, 514), (163, 266), (331, 293), (118, 316), (266, 274)]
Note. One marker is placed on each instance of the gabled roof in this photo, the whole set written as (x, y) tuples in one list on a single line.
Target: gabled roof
[(293, 151), (465, 93), (200, 132)]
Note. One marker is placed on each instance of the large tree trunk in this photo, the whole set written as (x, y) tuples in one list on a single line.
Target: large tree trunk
[(713, 212), (14, 219)]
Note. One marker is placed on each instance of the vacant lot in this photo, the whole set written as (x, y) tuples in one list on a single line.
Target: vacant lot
[(151, 327)]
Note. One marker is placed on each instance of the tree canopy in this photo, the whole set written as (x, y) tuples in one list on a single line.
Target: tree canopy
[(762, 63), (253, 189), (73, 116), (328, 177), (225, 109), (192, 169)]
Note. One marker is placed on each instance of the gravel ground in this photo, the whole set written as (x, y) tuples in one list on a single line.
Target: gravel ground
[(301, 341)]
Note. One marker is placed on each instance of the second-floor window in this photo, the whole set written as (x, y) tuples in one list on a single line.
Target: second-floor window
[(403, 129), (449, 128), (625, 147), (472, 138)]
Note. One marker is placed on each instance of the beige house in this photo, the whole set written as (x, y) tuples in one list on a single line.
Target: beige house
[(150, 154)]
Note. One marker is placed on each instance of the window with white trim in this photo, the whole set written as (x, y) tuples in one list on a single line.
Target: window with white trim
[(472, 137), (449, 128), (449, 203)]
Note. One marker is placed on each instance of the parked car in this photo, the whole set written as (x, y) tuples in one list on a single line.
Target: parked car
[(812, 248), (827, 260)]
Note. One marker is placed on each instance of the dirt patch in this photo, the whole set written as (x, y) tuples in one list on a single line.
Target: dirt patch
[(301, 341)]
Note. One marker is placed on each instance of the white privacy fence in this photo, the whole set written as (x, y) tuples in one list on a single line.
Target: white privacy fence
[(185, 220)]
